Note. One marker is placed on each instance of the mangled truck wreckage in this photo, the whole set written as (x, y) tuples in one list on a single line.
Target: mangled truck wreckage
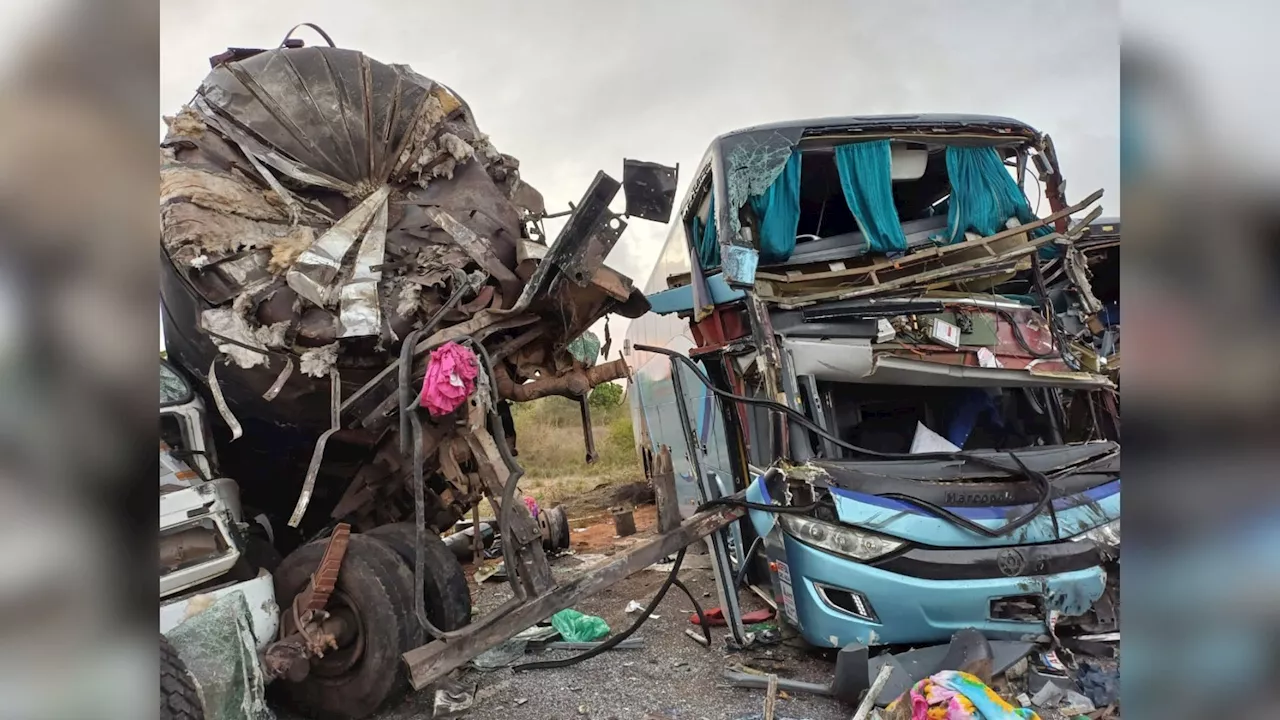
[(358, 284), (322, 212), (863, 324)]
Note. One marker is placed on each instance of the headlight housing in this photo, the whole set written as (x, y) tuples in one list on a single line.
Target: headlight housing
[(1105, 535), (839, 539)]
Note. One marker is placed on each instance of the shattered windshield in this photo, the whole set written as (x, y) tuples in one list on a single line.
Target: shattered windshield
[(173, 389)]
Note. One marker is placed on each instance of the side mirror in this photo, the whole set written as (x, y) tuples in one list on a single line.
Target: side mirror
[(650, 189)]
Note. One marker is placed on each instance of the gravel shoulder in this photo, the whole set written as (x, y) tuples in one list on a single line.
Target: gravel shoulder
[(672, 677)]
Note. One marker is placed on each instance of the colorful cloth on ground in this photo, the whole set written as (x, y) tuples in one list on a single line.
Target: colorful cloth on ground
[(532, 505), (450, 379), (952, 695)]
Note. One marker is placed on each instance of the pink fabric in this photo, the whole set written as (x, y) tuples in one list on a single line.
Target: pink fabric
[(450, 380), (532, 505)]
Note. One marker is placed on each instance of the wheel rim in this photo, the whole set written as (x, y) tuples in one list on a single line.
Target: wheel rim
[(339, 661)]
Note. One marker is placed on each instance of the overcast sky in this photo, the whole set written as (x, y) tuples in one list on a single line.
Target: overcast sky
[(572, 86)]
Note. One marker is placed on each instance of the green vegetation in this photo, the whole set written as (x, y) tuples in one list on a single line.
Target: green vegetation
[(552, 451), (606, 395)]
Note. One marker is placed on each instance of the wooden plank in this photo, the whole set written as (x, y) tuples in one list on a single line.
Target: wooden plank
[(910, 280), (939, 251), (435, 660), (933, 276)]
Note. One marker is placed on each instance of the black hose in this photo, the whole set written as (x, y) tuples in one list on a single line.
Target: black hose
[(405, 387), (804, 421), (419, 525), (746, 562), (697, 608), (943, 513), (1037, 276), (514, 470), (613, 641)]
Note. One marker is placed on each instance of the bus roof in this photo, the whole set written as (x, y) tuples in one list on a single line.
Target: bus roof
[(863, 123)]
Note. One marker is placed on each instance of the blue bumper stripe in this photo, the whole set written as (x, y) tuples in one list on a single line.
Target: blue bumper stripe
[(1095, 494), (912, 610)]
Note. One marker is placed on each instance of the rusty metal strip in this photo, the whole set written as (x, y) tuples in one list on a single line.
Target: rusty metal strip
[(281, 379), (309, 483), (313, 469), (335, 398), (325, 578), (315, 596), (221, 402)]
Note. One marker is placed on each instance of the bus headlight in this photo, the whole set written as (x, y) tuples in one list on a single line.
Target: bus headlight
[(839, 539), (1107, 536)]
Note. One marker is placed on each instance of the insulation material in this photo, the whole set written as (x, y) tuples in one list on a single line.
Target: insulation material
[(317, 362), (231, 333), (191, 231), (230, 193)]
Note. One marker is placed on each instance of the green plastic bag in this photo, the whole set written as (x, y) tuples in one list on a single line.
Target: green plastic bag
[(576, 627)]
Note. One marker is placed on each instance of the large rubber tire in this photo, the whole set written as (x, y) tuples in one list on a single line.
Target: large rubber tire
[(179, 697), (378, 586), (446, 596)]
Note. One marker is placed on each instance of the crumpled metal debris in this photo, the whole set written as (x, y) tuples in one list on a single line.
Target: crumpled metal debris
[(318, 207)]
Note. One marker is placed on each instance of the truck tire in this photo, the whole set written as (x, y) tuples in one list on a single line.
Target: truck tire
[(446, 596), (365, 675), (179, 696)]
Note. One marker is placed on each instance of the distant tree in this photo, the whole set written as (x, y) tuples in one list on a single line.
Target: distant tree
[(606, 395)]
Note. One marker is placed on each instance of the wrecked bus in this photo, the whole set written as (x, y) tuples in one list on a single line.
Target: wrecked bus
[(905, 368)]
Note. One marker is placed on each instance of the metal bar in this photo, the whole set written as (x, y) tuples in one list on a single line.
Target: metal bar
[(761, 682), (818, 411), (588, 434), (435, 660), (628, 644), (801, 448), (710, 491)]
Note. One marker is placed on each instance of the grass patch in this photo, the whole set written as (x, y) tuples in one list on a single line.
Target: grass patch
[(552, 451)]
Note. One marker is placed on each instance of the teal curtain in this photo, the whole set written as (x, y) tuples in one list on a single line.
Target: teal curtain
[(868, 189), (704, 238), (778, 211), (983, 194)]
